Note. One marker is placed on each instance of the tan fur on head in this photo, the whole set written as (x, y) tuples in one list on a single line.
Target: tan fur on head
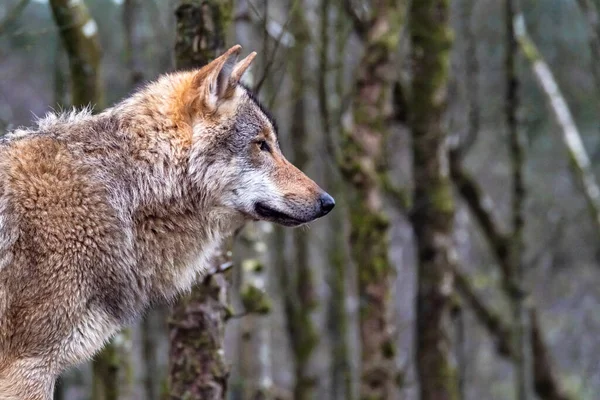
[(101, 215)]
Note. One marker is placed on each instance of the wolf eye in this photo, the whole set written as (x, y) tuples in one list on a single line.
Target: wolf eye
[(264, 146)]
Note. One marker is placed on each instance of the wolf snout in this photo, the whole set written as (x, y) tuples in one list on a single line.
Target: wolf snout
[(327, 203)]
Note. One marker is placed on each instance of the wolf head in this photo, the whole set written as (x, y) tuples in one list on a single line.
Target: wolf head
[(236, 150)]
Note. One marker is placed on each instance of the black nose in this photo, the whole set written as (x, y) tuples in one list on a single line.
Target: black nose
[(327, 203)]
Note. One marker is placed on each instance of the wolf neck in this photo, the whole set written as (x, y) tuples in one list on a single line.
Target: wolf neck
[(167, 207)]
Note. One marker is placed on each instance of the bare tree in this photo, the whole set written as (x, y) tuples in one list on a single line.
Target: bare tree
[(196, 365), (79, 35), (338, 326), (515, 280), (546, 384), (298, 287), (363, 167), (432, 215), (255, 347)]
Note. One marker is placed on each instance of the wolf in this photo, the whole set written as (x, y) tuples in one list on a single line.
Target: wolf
[(102, 215)]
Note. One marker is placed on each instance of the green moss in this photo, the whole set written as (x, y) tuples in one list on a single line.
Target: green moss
[(228, 312), (255, 300), (442, 197), (388, 348), (252, 265)]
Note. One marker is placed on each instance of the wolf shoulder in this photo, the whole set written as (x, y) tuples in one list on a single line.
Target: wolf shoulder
[(54, 191)]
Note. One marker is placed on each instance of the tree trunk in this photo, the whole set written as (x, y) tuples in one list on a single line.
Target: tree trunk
[(362, 167), (61, 87), (79, 35), (197, 369), (255, 347), (338, 324), (131, 21), (105, 370), (196, 366), (433, 206), (515, 281), (298, 286), (150, 326)]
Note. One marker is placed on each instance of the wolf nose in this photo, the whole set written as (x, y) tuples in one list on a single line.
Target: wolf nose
[(327, 203)]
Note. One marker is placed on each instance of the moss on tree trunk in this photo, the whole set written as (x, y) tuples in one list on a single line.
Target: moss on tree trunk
[(433, 206), (362, 165), (300, 294), (105, 370), (197, 369), (79, 35)]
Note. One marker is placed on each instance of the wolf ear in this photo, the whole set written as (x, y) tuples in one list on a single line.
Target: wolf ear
[(241, 67), (223, 75)]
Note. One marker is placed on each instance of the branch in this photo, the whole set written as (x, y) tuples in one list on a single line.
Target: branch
[(552, 242), (546, 383), (280, 34), (12, 15), (580, 162), (481, 207), (498, 329)]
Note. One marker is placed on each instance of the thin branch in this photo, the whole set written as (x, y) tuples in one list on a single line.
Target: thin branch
[(546, 383), (516, 279), (580, 162), (12, 15), (552, 241), (498, 329), (278, 37), (481, 206)]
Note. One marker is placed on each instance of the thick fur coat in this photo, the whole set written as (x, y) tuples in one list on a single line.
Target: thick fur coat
[(102, 215)]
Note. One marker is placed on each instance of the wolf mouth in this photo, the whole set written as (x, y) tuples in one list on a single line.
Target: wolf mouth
[(271, 214)]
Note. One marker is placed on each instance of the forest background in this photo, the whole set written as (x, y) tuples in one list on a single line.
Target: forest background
[(461, 141)]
